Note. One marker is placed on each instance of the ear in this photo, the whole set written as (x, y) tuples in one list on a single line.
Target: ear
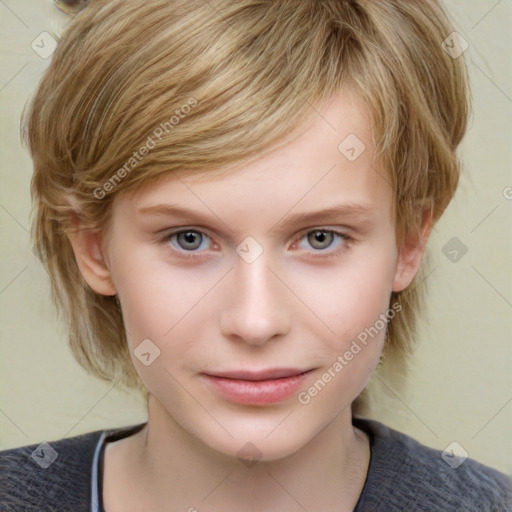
[(89, 254), (411, 253)]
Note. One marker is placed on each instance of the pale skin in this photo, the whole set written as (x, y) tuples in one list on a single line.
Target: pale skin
[(299, 304)]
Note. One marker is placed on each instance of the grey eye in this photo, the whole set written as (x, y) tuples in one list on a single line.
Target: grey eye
[(320, 239), (189, 240)]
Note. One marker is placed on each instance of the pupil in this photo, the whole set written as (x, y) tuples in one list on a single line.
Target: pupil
[(320, 239), (189, 240)]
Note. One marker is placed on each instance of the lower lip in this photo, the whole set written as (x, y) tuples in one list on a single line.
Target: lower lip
[(257, 392)]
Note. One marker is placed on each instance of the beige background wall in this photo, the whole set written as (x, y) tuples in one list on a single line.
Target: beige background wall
[(460, 387)]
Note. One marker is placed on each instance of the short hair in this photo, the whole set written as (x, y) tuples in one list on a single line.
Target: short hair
[(225, 81)]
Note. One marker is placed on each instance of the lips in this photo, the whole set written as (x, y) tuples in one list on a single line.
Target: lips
[(259, 375), (258, 387)]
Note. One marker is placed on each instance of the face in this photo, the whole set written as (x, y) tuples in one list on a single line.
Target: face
[(262, 293)]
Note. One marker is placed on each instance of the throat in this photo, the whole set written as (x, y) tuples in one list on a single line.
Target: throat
[(317, 480)]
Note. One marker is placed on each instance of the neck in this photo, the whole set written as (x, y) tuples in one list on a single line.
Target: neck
[(176, 468)]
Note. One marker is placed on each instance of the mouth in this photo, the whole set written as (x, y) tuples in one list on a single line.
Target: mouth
[(259, 375), (257, 387)]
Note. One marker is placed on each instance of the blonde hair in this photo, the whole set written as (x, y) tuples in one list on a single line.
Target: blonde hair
[(250, 72)]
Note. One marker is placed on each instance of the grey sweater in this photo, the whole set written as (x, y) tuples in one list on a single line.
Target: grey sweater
[(66, 476)]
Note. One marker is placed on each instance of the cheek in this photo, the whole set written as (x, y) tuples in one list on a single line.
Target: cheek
[(354, 304), (352, 297), (156, 296), (157, 303)]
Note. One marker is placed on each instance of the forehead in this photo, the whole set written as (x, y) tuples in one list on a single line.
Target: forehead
[(331, 160)]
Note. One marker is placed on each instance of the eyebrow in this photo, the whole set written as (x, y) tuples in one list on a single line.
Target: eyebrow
[(173, 210), (349, 210)]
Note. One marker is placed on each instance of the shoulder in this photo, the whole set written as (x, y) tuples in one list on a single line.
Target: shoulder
[(46, 476), (405, 473)]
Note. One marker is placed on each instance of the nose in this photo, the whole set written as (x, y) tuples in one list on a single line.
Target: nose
[(256, 309)]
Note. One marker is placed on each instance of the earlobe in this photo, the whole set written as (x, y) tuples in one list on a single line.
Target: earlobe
[(411, 254), (89, 254)]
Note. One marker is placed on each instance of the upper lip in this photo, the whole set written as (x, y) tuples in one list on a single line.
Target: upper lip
[(256, 375)]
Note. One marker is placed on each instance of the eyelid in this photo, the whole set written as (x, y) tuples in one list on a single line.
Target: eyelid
[(335, 229), (167, 232), (342, 232)]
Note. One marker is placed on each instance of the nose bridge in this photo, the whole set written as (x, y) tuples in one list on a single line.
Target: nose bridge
[(253, 280), (257, 311)]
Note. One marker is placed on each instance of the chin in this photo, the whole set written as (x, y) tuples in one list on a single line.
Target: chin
[(259, 441), (250, 451)]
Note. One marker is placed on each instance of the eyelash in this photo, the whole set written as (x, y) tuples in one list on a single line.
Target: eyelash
[(343, 237)]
